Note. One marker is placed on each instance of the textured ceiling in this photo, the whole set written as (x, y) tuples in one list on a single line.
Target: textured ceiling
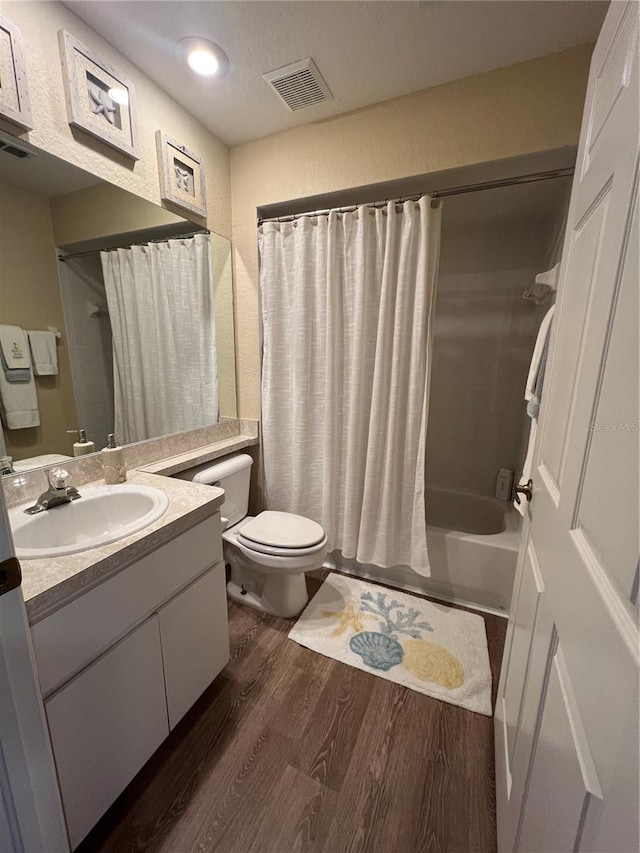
[(367, 51)]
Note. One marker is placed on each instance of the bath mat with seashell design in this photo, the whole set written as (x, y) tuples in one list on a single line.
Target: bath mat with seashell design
[(425, 646)]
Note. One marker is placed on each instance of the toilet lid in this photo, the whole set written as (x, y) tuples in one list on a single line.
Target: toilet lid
[(282, 530)]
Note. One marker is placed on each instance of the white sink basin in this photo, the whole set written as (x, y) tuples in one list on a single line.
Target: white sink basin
[(101, 515)]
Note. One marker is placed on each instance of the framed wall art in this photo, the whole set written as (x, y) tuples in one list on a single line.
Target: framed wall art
[(100, 100), (14, 91), (181, 175)]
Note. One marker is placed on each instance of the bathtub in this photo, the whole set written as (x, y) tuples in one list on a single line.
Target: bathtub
[(473, 549)]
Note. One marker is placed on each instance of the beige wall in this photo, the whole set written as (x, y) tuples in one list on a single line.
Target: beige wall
[(102, 211), (531, 107), (39, 23), (30, 298), (225, 337)]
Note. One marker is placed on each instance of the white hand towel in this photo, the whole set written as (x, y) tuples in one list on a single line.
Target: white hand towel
[(528, 394), (537, 353), (19, 404), (15, 347), (19, 401), (44, 353)]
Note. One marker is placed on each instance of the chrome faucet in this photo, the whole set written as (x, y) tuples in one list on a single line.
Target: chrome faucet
[(59, 492), (6, 465)]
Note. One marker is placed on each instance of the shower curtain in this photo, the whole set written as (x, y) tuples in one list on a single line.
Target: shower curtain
[(346, 302), (160, 299)]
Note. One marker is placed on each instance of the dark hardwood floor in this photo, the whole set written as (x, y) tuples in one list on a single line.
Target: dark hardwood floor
[(291, 751)]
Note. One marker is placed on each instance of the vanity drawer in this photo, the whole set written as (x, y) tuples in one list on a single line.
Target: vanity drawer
[(69, 639)]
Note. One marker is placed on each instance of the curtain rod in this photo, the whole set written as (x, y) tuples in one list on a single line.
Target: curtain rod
[(186, 236), (450, 191)]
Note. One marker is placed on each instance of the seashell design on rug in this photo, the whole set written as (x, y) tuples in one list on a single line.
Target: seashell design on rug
[(378, 651)]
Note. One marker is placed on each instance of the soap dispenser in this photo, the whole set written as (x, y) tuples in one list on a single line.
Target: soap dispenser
[(115, 470), (82, 446)]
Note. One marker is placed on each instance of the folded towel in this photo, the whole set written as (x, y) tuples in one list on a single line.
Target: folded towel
[(19, 400), (17, 375), (15, 348), (44, 353), (14, 354)]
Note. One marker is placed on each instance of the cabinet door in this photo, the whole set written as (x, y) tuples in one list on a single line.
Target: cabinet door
[(105, 724), (195, 640)]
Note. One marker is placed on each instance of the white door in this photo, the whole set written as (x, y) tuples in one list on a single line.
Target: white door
[(30, 809), (566, 720)]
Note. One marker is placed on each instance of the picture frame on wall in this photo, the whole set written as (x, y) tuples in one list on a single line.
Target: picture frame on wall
[(182, 180), (100, 100), (15, 105)]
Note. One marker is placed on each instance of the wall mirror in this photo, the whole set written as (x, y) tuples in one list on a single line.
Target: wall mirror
[(136, 304)]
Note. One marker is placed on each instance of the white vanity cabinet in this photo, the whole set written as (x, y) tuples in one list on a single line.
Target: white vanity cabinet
[(195, 641), (106, 724), (121, 664)]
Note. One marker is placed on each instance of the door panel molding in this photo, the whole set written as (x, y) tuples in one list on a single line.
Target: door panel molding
[(607, 92), (549, 482), (573, 780), (566, 360), (608, 595), (561, 764)]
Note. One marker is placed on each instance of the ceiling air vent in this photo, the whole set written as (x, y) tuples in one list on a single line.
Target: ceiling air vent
[(299, 85), (9, 148)]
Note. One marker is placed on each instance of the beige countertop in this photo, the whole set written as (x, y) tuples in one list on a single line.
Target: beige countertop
[(199, 455), (49, 584)]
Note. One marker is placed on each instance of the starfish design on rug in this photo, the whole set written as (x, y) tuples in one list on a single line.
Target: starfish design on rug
[(348, 617)]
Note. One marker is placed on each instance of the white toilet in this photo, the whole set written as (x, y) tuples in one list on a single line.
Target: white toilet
[(268, 554)]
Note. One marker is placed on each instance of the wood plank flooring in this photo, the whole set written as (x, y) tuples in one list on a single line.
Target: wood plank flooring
[(292, 752)]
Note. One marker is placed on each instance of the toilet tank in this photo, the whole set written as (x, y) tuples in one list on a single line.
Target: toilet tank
[(233, 474)]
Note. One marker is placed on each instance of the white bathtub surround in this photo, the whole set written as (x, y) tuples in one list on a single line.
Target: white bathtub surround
[(473, 549), (424, 646), (167, 287), (347, 302)]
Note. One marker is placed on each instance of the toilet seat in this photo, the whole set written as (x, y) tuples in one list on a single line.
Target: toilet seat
[(282, 534), (258, 548)]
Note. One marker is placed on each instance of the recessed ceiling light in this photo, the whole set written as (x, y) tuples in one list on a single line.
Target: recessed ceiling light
[(203, 61), (119, 95), (203, 56)]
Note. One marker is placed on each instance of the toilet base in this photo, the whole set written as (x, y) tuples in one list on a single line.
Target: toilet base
[(282, 595)]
